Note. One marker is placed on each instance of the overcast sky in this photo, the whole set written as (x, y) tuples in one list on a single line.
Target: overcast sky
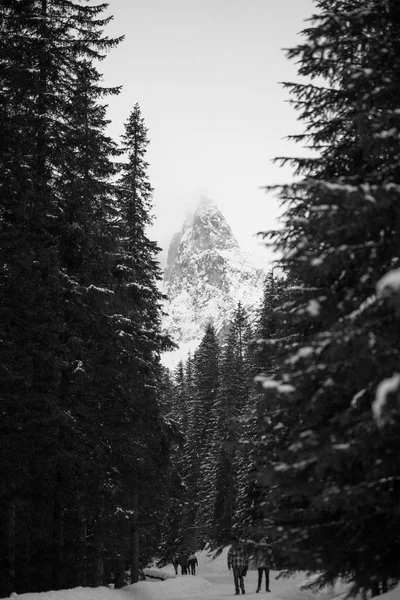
[(206, 75)]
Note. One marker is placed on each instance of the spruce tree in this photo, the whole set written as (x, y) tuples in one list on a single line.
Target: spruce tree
[(43, 47), (205, 387), (172, 521), (137, 310), (224, 452), (269, 323), (334, 467), (86, 245), (241, 401)]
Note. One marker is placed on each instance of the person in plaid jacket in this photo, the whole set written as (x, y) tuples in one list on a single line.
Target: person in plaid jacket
[(238, 561)]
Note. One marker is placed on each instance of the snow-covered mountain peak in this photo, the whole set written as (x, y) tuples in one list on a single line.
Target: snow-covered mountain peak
[(207, 229), (207, 274)]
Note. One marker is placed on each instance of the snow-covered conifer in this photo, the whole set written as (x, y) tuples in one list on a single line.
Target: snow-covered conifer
[(340, 236)]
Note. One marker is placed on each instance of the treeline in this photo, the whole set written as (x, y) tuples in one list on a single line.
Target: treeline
[(213, 475), (81, 430)]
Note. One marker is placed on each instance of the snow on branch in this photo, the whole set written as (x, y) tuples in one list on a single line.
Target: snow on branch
[(271, 384), (100, 290), (387, 400), (389, 285), (301, 353), (313, 308), (362, 308)]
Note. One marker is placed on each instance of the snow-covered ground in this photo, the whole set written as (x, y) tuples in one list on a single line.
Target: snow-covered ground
[(212, 582)]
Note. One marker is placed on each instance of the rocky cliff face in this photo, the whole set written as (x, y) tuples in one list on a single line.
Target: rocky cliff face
[(207, 274)]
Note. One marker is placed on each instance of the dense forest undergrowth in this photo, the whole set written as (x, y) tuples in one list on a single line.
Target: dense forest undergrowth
[(288, 427)]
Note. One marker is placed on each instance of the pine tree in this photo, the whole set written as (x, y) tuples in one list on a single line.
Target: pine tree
[(242, 400), (86, 246), (224, 453), (334, 468), (42, 49), (269, 323), (137, 310), (29, 280), (204, 388), (173, 509), (179, 409)]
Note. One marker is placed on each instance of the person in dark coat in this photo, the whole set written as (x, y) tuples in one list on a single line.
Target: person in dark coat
[(175, 562), (183, 560), (262, 560), (192, 563)]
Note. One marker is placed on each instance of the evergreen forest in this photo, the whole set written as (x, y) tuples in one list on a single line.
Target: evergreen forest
[(285, 427)]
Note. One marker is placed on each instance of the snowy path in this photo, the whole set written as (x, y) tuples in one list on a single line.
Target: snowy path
[(212, 582)]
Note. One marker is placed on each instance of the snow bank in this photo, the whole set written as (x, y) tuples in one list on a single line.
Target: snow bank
[(170, 589), (392, 595), (179, 587), (298, 590), (158, 573), (78, 593)]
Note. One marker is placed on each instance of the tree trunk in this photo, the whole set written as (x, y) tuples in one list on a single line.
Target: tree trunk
[(98, 547), (98, 567), (135, 537), (11, 540), (119, 577), (58, 538), (25, 535), (375, 588), (83, 541)]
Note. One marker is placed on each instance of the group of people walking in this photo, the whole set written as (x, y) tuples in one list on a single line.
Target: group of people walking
[(187, 561), (238, 560)]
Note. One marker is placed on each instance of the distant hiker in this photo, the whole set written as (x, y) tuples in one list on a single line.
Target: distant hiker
[(192, 563), (175, 562), (262, 560), (238, 561), (183, 560)]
